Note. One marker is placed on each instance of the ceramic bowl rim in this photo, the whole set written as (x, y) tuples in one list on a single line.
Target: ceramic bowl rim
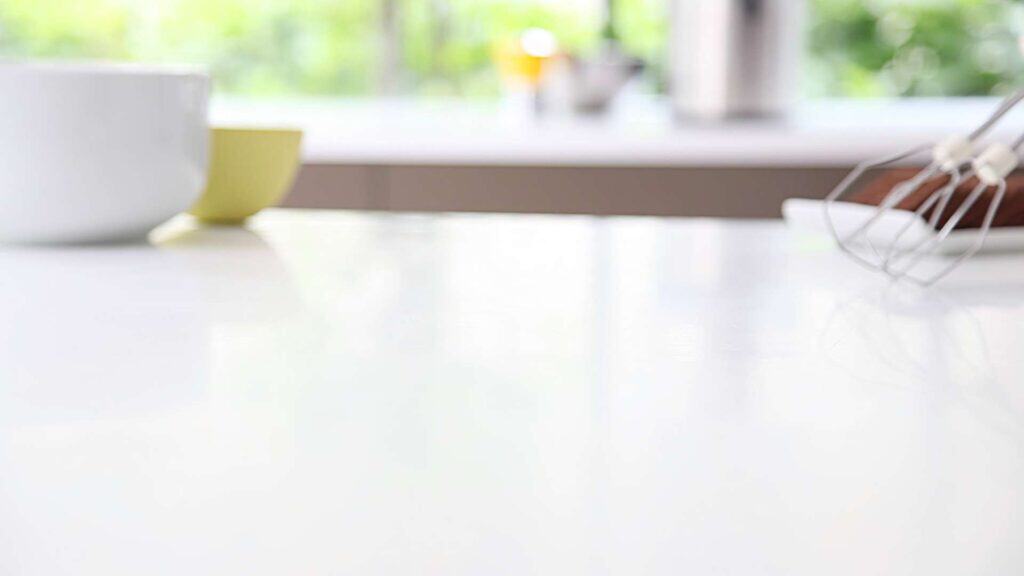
[(101, 68), (257, 131)]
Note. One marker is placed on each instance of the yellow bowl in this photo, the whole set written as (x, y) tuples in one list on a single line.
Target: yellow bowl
[(250, 169)]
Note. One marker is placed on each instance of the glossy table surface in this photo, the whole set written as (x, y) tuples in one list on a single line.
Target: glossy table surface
[(344, 393)]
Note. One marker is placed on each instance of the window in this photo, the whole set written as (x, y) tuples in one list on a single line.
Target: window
[(913, 47), (445, 47), (317, 47)]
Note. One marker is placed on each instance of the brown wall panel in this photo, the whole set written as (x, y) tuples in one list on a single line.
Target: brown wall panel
[(705, 192), (335, 186)]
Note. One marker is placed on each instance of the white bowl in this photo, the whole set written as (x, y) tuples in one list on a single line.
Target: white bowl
[(98, 153)]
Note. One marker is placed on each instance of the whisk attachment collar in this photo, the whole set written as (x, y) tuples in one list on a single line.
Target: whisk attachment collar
[(953, 152), (996, 163)]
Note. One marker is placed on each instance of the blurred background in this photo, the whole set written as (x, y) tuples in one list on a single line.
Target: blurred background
[(475, 56), (434, 48)]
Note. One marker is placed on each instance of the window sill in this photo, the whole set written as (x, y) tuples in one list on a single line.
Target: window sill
[(638, 133)]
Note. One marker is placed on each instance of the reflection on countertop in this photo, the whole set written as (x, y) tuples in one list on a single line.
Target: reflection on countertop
[(327, 392)]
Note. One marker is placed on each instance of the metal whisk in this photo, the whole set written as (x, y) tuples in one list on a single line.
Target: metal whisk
[(953, 162)]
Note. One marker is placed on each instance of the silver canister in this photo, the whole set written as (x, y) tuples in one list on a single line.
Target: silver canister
[(735, 58)]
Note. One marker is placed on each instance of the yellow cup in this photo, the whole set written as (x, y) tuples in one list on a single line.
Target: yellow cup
[(250, 169)]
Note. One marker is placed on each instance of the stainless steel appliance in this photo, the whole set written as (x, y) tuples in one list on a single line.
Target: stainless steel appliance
[(735, 57)]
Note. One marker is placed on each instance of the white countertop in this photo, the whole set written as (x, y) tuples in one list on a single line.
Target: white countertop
[(641, 132), (344, 393)]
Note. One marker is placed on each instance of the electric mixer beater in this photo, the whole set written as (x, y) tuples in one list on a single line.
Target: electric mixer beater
[(955, 161)]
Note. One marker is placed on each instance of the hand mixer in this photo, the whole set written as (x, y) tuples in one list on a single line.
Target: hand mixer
[(910, 237)]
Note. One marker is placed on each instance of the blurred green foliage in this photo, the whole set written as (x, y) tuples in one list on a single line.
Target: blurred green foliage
[(913, 48), (445, 47)]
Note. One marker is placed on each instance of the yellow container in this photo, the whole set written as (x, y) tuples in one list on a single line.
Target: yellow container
[(522, 61), (250, 169), (518, 67)]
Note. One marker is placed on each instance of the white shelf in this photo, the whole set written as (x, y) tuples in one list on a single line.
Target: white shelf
[(640, 133)]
